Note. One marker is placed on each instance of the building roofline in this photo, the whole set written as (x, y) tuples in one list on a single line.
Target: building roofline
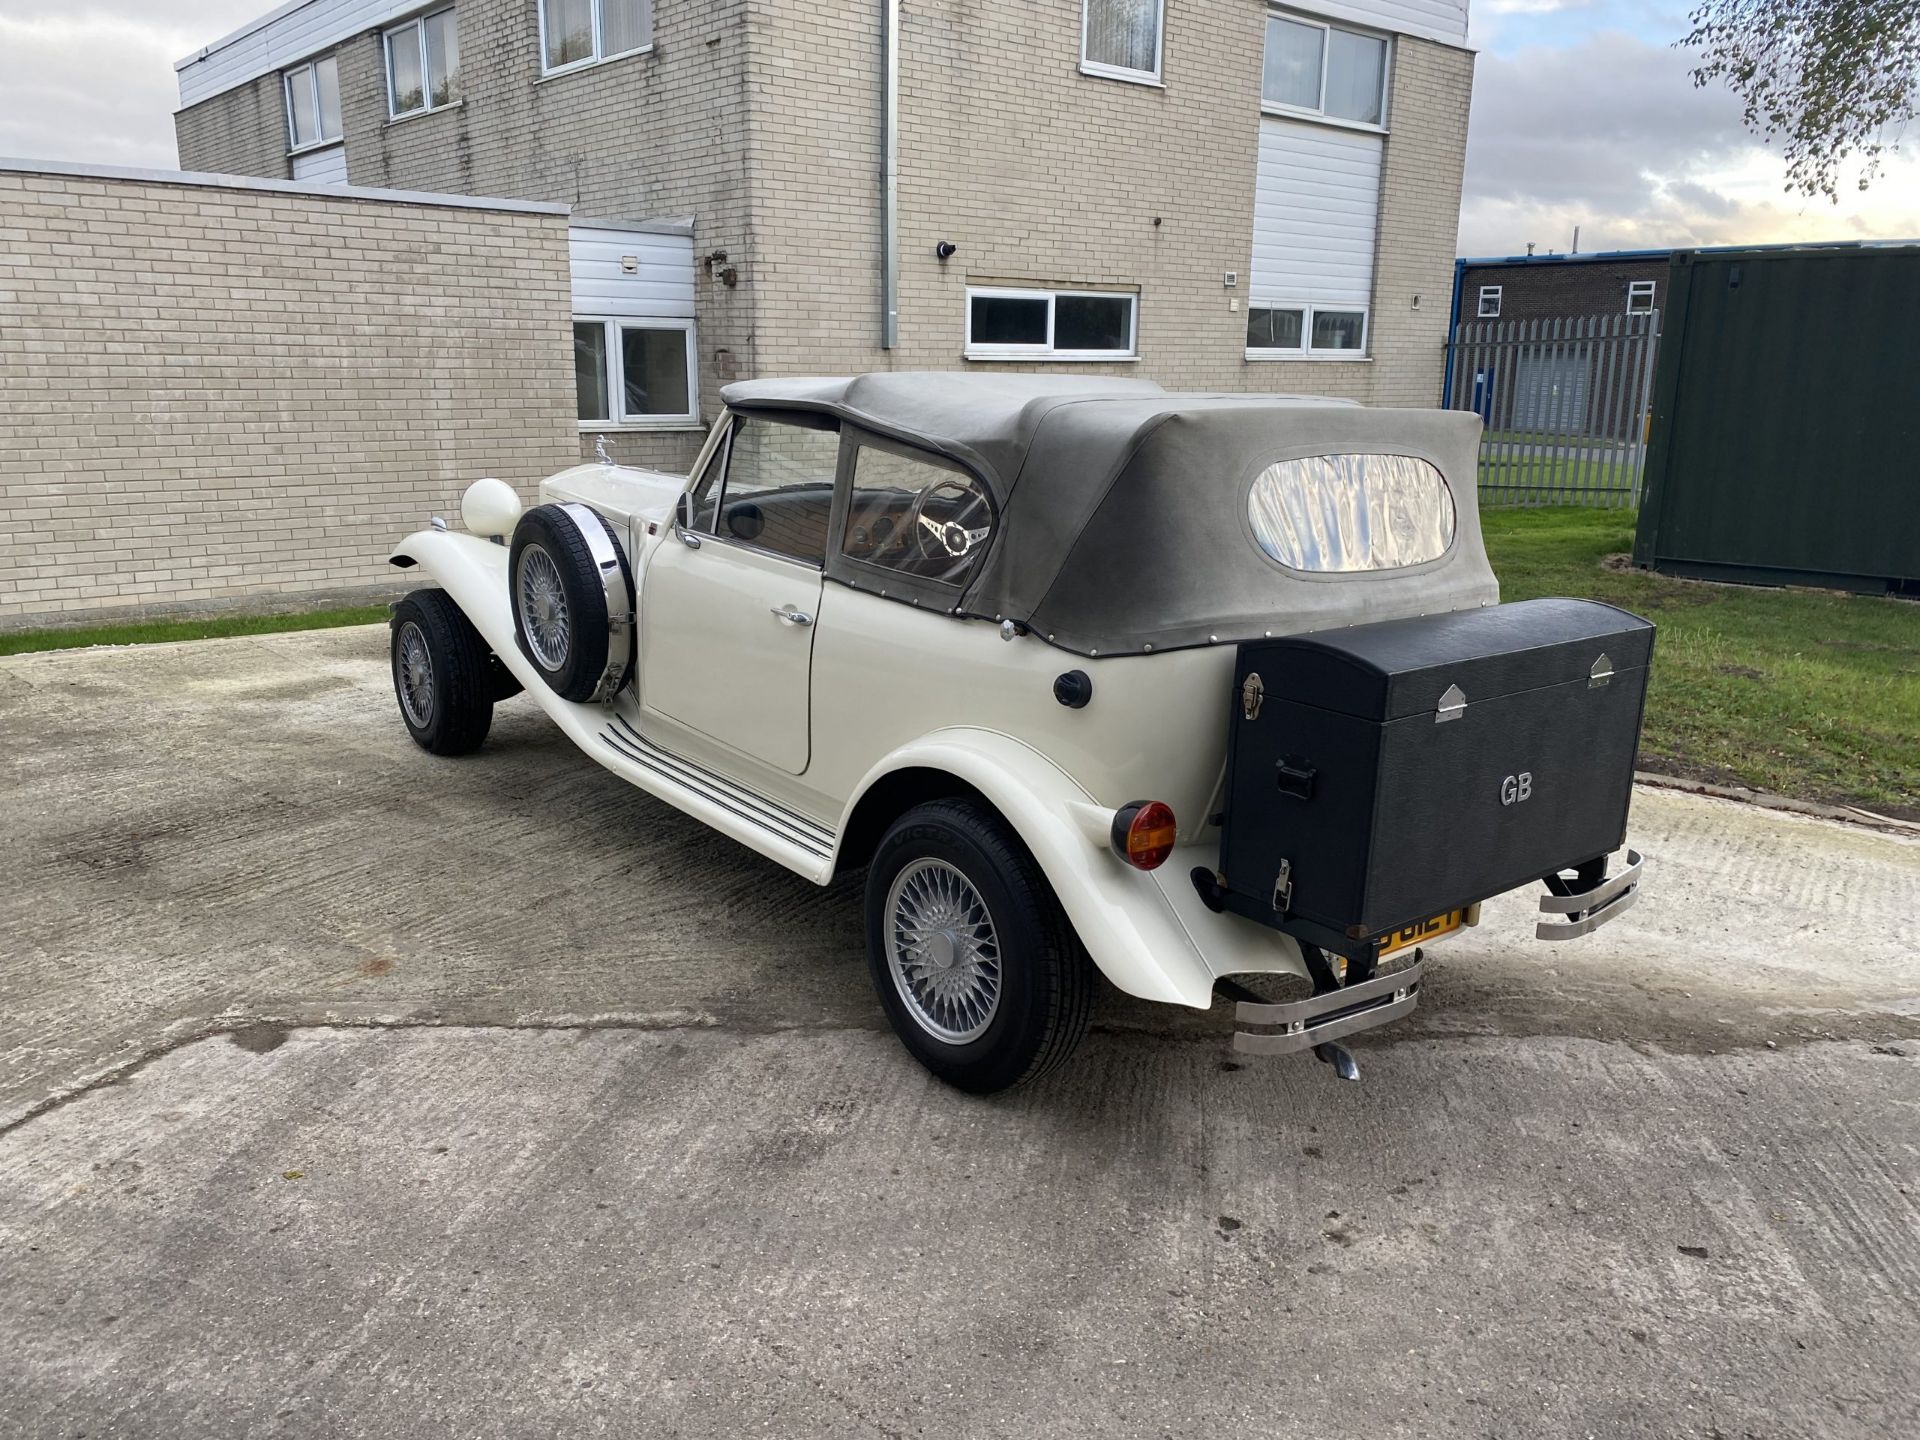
[(259, 22), (1668, 253), (203, 180)]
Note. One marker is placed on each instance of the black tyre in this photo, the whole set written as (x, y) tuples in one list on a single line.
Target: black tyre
[(442, 674), (560, 619), (976, 966)]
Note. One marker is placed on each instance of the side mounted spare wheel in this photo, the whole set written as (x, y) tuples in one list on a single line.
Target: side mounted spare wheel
[(573, 600)]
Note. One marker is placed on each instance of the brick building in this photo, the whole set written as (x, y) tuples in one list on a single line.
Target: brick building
[(1515, 357), (1561, 287), (1221, 194)]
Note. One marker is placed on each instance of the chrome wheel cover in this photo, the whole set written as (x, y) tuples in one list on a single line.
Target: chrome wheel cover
[(414, 674), (543, 608), (942, 951)]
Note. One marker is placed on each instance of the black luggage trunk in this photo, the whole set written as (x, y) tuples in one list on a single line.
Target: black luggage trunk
[(1384, 774)]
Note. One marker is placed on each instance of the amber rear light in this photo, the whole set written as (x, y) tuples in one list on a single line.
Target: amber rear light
[(1143, 833)]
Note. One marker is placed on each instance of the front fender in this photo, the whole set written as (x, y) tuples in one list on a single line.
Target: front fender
[(474, 572), (1146, 930)]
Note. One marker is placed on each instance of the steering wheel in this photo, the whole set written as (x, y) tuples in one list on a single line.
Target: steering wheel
[(949, 544)]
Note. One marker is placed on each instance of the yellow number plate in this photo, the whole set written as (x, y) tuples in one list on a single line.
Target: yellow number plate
[(1422, 931)]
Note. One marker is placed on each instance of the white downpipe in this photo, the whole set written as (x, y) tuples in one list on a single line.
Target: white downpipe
[(889, 179)]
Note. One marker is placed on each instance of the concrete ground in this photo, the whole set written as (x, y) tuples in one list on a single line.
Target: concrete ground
[(347, 1091)]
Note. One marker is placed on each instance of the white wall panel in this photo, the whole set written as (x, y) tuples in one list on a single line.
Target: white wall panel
[(277, 39), (1316, 209), (660, 287), (325, 167), (1443, 20)]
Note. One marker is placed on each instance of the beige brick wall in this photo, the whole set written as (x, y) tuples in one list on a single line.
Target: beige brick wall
[(1419, 220), (209, 393), (1039, 173), (243, 132)]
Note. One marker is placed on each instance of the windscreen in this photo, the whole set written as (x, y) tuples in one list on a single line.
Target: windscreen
[(1342, 513)]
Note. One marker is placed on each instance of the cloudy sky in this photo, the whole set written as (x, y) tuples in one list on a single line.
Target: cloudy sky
[(1582, 115)]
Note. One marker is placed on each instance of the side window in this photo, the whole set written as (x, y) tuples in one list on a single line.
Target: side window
[(1121, 38), (916, 517), (313, 103), (773, 488)]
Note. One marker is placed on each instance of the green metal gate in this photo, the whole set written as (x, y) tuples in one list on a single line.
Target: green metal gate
[(1786, 420)]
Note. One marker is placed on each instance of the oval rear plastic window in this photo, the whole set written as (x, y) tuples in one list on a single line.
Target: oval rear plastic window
[(1342, 513)]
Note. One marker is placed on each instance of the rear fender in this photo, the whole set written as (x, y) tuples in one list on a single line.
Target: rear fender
[(1147, 930)]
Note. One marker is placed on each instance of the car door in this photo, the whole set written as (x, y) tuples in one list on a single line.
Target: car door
[(729, 601)]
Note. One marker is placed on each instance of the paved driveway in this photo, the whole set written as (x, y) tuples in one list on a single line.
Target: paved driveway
[(346, 1091)]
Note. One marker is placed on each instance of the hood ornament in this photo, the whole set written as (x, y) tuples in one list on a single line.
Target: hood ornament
[(600, 451)]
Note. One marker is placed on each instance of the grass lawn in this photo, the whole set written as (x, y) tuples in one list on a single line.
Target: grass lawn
[(148, 632), (1807, 693)]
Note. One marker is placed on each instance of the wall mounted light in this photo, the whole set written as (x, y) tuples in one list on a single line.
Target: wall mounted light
[(945, 250)]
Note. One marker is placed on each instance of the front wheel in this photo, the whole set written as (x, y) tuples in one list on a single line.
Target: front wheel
[(976, 966), (442, 674)]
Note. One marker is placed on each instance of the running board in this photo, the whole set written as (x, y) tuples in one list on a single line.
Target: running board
[(736, 800)]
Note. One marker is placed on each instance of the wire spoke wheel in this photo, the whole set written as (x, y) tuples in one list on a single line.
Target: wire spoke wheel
[(543, 608), (440, 671), (942, 950), (416, 675)]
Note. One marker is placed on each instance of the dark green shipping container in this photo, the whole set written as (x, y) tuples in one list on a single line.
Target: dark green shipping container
[(1786, 420)]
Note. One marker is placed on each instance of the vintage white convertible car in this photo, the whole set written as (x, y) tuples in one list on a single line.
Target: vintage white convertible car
[(1196, 688)]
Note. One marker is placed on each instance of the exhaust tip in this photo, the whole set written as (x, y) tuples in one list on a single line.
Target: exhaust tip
[(1338, 1057)]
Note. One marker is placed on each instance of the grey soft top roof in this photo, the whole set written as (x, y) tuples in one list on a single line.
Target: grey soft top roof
[(986, 421), (1123, 507)]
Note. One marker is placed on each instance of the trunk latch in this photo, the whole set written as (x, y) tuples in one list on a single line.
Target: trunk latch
[(1452, 705), (1252, 692), (1283, 887), (1601, 672)]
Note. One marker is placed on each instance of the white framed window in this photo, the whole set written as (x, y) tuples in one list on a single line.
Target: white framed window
[(581, 32), (1326, 71), (1640, 297), (1284, 330), (1489, 303), (313, 103), (1121, 39), (635, 373), (1009, 324), (423, 64)]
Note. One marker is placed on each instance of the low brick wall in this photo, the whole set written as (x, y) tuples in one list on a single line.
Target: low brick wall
[(215, 394)]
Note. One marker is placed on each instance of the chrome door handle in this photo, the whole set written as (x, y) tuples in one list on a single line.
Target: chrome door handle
[(787, 615)]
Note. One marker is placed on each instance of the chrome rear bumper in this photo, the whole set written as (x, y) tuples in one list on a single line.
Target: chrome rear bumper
[(1303, 1024), (1587, 910)]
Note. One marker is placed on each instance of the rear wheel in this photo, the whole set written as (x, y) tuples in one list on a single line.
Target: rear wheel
[(976, 966), (442, 674)]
